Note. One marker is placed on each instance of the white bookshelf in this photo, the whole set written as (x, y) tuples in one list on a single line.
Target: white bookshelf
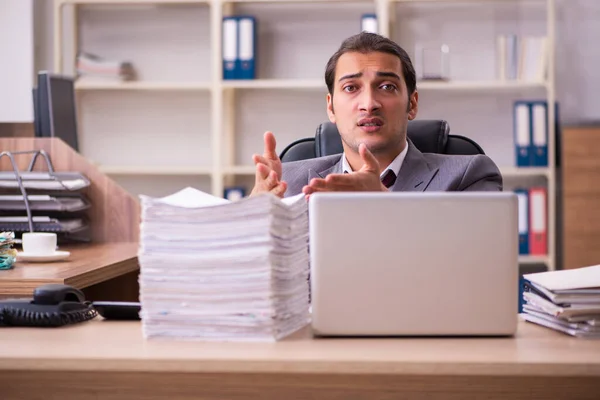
[(181, 122)]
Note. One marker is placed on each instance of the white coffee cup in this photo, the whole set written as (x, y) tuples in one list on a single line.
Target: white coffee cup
[(39, 243)]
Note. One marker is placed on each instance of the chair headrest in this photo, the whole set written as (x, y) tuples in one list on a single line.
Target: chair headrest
[(429, 136), (328, 140)]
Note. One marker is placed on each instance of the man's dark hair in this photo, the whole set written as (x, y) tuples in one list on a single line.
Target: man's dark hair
[(366, 42)]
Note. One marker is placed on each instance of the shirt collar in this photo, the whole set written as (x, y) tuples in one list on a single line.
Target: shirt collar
[(394, 166)]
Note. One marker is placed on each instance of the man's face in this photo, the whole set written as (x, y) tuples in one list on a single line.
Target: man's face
[(370, 102)]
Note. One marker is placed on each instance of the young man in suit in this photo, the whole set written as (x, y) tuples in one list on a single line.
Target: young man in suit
[(372, 96)]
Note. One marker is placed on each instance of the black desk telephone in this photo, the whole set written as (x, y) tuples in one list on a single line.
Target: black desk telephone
[(58, 305), (52, 305)]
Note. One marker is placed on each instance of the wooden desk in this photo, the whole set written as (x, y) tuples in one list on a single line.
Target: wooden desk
[(111, 360), (105, 271)]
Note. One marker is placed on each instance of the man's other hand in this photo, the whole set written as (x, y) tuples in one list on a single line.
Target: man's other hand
[(268, 169), (365, 179), (269, 157)]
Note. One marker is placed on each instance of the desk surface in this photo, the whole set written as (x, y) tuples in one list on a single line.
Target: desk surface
[(86, 266), (101, 345)]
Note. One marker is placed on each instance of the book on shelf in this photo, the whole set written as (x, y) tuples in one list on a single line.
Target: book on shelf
[(368, 23), (91, 67), (533, 221), (239, 47), (538, 220), (530, 125), (523, 58), (523, 201), (234, 193), (567, 301)]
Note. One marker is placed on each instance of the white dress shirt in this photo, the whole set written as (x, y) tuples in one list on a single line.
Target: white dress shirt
[(394, 166)]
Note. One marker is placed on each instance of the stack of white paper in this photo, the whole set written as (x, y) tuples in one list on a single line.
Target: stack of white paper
[(217, 270), (568, 300)]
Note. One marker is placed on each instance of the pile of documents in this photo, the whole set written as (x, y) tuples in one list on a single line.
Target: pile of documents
[(567, 301), (8, 255), (212, 269)]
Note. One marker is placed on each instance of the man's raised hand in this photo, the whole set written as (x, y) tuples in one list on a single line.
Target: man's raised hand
[(269, 157), (268, 169)]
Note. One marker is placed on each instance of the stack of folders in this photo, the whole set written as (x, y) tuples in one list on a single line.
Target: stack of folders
[(531, 132), (567, 301), (533, 220), (56, 204), (211, 269), (368, 23), (239, 47)]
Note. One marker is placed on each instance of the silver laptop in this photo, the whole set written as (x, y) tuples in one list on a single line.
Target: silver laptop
[(439, 263)]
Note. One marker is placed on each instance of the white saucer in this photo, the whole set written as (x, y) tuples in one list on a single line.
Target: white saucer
[(56, 256)]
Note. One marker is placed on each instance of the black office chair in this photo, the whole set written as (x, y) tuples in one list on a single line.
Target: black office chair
[(429, 136)]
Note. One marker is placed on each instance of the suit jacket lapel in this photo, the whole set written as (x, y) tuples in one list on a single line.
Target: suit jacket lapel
[(334, 169), (415, 174)]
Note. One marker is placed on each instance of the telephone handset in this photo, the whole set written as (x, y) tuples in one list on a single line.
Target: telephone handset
[(52, 305)]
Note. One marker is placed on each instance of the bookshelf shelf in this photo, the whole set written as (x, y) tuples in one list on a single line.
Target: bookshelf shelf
[(534, 260), (525, 171), (141, 85), (133, 2), (309, 84), (157, 170), (480, 85), (450, 1), (274, 84), (293, 1), (240, 170), (166, 2), (319, 84)]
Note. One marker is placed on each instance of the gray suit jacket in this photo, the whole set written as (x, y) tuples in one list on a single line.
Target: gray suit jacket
[(419, 172)]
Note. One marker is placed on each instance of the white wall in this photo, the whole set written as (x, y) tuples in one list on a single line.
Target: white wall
[(577, 55), (578, 60), (16, 60)]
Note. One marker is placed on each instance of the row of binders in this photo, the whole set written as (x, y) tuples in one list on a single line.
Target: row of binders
[(522, 58), (567, 301), (531, 133), (239, 47), (533, 231), (240, 44)]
